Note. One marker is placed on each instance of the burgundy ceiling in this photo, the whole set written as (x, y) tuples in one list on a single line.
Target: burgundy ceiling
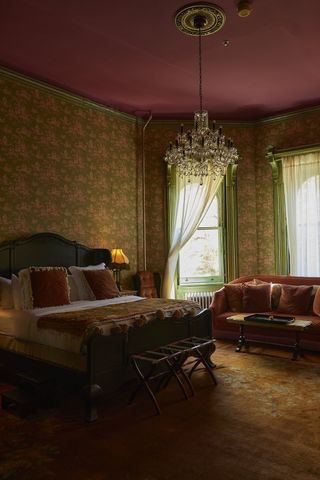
[(128, 55)]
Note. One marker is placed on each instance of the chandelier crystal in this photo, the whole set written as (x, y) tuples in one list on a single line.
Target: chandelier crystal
[(201, 152)]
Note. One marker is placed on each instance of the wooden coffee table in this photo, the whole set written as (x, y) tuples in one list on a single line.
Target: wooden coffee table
[(297, 327)]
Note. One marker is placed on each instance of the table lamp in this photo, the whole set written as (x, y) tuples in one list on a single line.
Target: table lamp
[(119, 262)]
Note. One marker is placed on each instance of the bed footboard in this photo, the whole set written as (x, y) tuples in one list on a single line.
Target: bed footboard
[(108, 357)]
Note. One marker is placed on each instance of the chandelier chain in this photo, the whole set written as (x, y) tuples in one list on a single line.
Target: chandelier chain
[(200, 69)]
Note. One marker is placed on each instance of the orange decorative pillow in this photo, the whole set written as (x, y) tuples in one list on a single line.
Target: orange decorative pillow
[(316, 303), (49, 286), (234, 293), (257, 298), (295, 299), (101, 283)]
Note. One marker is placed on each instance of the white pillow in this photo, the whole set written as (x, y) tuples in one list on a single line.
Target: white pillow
[(6, 299), (74, 296), (84, 291), (26, 298), (16, 292)]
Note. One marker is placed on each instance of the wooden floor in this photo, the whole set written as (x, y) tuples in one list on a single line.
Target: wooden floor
[(264, 410)]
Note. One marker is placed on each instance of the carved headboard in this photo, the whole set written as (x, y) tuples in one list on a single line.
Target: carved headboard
[(50, 250)]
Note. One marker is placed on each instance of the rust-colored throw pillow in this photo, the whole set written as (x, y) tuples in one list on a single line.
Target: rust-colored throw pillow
[(234, 293), (295, 299), (49, 286), (257, 298), (316, 303), (101, 283)]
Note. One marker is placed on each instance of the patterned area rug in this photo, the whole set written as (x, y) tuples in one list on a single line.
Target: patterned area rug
[(261, 422)]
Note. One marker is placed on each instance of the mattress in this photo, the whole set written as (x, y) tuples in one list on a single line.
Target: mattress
[(21, 325)]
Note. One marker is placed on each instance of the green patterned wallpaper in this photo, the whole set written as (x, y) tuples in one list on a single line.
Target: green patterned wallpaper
[(67, 168), (74, 168)]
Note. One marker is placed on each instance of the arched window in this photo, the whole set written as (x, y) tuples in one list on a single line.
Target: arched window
[(297, 211)]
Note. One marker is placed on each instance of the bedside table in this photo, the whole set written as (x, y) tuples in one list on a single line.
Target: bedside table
[(128, 292)]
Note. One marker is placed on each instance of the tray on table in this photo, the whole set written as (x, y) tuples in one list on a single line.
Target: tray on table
[(264, 318)]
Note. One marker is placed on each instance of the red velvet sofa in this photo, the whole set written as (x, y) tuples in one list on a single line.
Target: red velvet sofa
[(221, 310)]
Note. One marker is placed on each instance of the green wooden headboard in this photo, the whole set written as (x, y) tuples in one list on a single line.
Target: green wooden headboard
[(50, 250)]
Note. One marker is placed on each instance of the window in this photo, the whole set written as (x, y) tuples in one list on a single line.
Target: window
[(202, 233), (301, 178), (201, 259), (296, 176), (308, 226)]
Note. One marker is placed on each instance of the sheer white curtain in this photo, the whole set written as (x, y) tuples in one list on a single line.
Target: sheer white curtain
[(189, 205), (301, 177)]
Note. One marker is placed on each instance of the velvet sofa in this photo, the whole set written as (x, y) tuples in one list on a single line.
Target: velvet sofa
[(306, 307)]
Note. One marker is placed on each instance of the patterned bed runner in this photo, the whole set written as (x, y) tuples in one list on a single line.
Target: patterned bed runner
[(118, 317)]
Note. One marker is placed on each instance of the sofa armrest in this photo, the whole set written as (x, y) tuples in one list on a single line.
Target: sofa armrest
[(219, 302)]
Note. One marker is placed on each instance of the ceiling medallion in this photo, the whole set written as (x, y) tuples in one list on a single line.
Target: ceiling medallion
[(213, 15)]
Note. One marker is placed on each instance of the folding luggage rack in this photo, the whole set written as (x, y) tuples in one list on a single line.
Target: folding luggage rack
[(170, 361)]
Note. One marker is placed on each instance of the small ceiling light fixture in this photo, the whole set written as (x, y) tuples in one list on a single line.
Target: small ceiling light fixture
[(244, 8), (201, 152)]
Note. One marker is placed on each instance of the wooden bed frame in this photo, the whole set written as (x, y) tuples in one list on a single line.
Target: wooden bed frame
[(108, 357)]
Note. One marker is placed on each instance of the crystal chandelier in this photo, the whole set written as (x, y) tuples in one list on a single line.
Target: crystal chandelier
[(201, 152)]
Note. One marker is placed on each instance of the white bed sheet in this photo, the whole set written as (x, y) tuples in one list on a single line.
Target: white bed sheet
[(22, 324)]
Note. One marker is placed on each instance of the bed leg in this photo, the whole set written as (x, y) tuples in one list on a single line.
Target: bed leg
[(91, 393)]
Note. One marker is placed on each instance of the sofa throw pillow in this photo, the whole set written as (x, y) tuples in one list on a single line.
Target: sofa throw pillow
[(275, 291), (102, 283), (234, 293), (257, 298), (295, 299), (49, 286), (313, 295), (316, 303)]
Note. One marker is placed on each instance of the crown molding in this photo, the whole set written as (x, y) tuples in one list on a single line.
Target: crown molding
[(65, 95), (287, 116), (86, 103), (189, 123)]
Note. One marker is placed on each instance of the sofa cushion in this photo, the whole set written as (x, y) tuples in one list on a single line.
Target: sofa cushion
[(275, 295), (234, 296), (256, 298), (316, 303), (295, 299)]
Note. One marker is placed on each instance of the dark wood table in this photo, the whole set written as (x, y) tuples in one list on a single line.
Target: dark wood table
[(298, 326)]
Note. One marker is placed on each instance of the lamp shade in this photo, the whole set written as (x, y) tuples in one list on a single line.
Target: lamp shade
[(119, 260)]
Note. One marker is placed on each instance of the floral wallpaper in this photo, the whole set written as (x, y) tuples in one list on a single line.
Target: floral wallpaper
[(67, 168), (74, 168)]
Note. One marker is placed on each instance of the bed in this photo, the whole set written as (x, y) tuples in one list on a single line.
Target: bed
[(97, 363)]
